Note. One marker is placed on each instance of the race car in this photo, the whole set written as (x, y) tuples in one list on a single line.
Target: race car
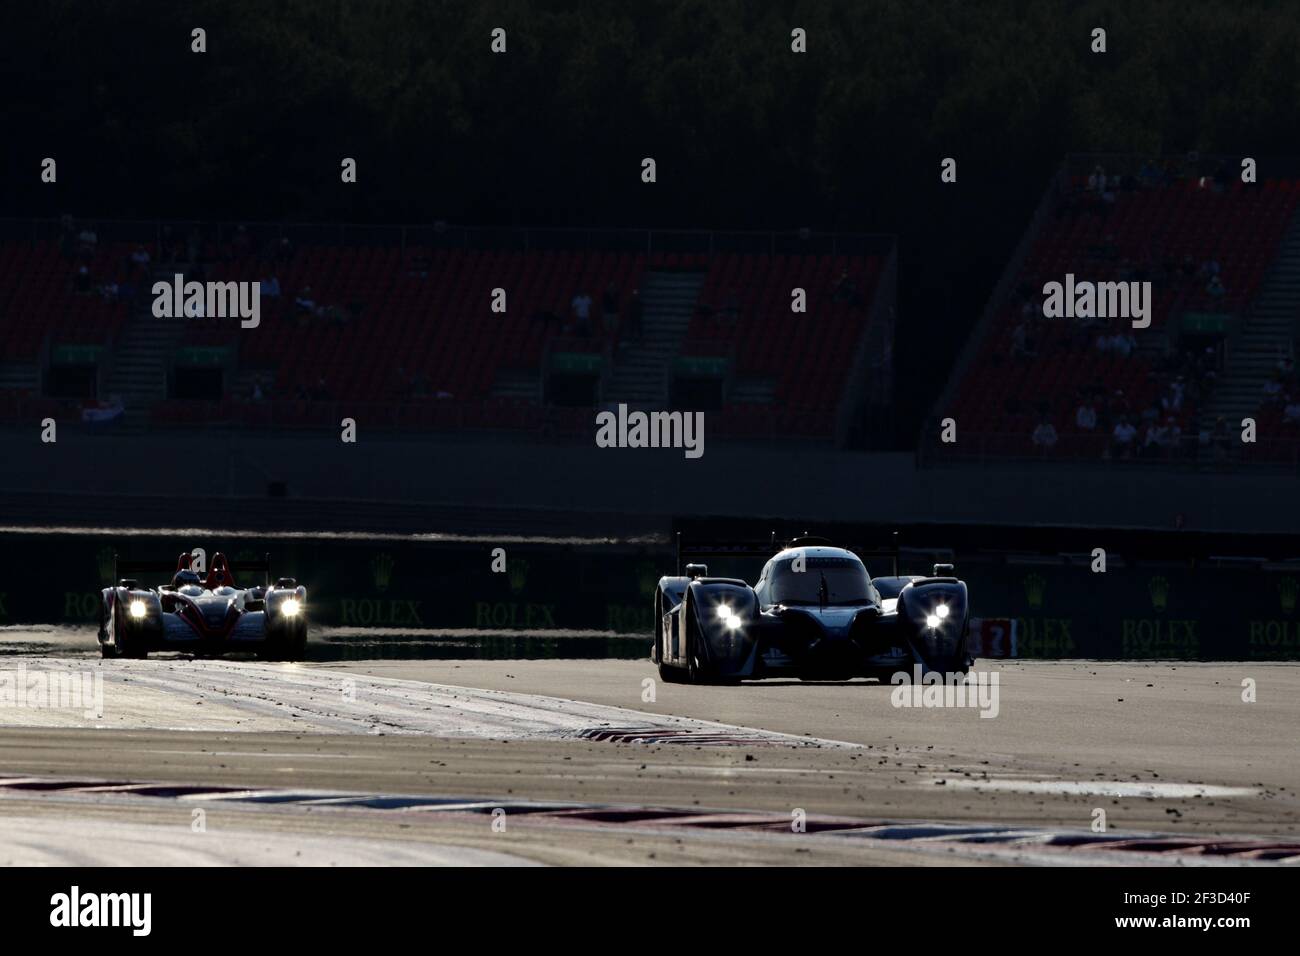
[(204, 615), (815, 614)]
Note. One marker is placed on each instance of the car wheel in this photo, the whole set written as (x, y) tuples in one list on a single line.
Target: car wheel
[(296, 645), (107, 651), (125, 643), (667, 672), (695, 671), (671, 675)]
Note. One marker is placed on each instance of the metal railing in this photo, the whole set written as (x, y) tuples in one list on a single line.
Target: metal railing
[(449, 236), (1194, 452)]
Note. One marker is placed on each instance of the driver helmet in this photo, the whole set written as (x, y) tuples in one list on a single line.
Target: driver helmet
[(185, 577)]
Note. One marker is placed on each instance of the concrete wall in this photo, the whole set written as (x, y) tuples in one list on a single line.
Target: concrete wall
[(1144, 610), (784, 480)]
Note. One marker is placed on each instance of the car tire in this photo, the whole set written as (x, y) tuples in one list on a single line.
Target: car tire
[(124, 643), (695, 672)]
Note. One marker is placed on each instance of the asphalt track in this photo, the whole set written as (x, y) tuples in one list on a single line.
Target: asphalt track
[(571, 762)]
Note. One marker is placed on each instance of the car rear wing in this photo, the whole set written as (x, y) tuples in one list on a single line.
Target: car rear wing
[(132, 569), (759, 549)]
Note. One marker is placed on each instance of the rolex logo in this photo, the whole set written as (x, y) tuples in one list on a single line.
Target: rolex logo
[(518, 575), (1035, 587), (105, 559), (381, 566), (647, 578), (1286, 593), (1158, 588)]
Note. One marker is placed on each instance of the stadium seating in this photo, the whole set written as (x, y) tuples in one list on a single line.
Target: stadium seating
[(1003, 395), (425, 312), (408, 332), (37, 297), (747, 313)]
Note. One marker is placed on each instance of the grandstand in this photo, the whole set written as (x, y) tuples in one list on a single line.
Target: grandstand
[(396, 327), (1223, 258)]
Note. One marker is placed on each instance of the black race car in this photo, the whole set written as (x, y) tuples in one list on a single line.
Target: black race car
[(203, 615), (815, 613)]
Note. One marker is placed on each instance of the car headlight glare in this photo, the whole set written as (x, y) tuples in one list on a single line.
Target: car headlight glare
[(730, 619), (941, 610), (138, 609), (291, 607), (933, 620)]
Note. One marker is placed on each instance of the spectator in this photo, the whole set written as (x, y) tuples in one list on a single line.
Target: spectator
[(1123, 343), (546, 317), (167, 244), (609, 309), (1097, 180), (1086, 416), (140, 259), (634, 314), (1215, 287), (1021, 342), (1123, 438), (1219, 439), (1044, 436), (1173, 398), (304, 300), (1152, 413), (1173, 436), (846, 290), (242, 243), (582, 313), (1156, 438), (1291, 411), (88, 241), (67, 237)]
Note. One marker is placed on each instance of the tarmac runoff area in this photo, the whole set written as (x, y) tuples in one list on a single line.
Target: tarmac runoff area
[(569, 762)]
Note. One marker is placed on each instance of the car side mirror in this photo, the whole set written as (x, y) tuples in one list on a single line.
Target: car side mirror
[(694, 571), (943, 570)]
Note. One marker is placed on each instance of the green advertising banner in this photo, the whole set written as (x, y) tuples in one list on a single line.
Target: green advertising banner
[(1156, 611)]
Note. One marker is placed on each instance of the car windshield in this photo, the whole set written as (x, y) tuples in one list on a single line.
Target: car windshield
[(822, 580)]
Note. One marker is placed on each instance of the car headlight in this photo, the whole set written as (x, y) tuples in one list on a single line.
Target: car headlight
[(936, 617), (291, 607), (730, 619), (138, 609)]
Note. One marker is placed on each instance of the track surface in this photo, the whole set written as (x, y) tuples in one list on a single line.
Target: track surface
[(1158, 747)]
